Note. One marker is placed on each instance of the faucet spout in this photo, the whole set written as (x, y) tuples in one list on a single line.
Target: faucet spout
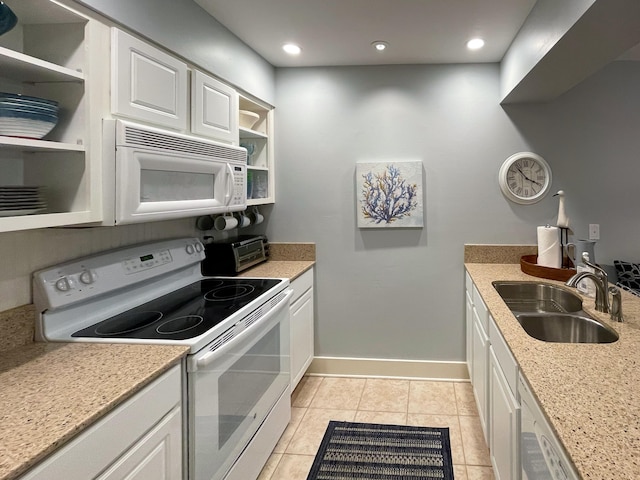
[(601, 283)]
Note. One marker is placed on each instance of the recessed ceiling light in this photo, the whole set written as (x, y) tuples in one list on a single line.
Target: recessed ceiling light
[(291, 48), (379, 45), (475, 44)]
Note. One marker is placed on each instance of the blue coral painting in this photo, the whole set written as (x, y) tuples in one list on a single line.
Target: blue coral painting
[(389, 194)]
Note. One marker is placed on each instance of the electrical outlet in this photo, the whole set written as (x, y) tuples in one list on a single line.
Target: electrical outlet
[(594, 231)]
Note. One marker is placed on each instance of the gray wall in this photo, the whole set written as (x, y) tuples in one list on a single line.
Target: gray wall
[(394, 293), (398, 293), (592, 135), (185, 28)]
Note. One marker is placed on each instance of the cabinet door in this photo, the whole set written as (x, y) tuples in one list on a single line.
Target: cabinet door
[(147, 83), (157, 456), (504, 415), (469, 331), (214, 108), (479, 378), (301, 336)]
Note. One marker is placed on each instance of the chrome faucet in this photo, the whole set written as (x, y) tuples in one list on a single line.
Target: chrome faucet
[(601, 281)]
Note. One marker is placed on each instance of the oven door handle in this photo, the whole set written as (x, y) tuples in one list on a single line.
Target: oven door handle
[(210, 357)]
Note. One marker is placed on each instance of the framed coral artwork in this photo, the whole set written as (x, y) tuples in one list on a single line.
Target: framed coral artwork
[(389, 194)]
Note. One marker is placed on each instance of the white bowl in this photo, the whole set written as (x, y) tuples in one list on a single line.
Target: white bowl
[(25, 127), (248, 119)]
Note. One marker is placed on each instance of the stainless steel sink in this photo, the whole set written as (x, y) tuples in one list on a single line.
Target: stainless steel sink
[(552, 314), (537, 297), (566, 328)]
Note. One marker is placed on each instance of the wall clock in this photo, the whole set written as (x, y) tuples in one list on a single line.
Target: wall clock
[(525, 178)]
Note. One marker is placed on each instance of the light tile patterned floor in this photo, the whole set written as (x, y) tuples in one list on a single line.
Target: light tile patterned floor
[(317, 400)]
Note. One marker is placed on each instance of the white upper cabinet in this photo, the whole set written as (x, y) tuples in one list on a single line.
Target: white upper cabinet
[(147, 83), (59, 53), (214, 108)]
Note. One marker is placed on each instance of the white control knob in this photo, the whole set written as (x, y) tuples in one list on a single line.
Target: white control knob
[(190, 249), (88, 277), (198, 247), (65, 284)]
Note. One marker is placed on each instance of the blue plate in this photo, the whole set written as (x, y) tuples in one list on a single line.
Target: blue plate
[(26, 108), (27, 99), (43, 117), (8, 19)]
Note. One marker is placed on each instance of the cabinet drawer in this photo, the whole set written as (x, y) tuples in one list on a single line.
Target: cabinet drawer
[(481, 309), (503, 355), (301, 284)]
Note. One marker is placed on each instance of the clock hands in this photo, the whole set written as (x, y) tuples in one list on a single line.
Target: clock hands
[(527, 178)]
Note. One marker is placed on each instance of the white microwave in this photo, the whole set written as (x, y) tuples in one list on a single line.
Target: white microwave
[(150, 174)]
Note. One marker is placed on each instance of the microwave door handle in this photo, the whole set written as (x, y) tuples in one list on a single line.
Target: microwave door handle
[(210, 357), (229, 194)]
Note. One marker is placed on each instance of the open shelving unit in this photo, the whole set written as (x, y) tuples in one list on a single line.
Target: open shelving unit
[(56, 51), (260, 162)]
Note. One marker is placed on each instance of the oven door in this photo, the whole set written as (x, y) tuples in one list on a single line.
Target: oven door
[(232, 388)]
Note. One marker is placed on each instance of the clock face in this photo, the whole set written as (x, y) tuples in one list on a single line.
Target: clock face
[(525, 178)]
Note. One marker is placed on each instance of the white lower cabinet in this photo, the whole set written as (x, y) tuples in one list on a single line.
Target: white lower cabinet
[(147, 459), (468, 297), (301, 326), (140, 440), (504, 414), (479, 377), (494, 377)]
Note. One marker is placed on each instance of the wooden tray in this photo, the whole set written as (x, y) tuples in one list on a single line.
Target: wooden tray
[(529, 266)]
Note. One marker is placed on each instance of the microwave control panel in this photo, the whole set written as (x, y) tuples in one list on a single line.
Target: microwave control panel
[(239, 189)]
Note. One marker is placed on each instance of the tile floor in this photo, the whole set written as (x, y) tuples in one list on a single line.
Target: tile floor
[(317, 400)]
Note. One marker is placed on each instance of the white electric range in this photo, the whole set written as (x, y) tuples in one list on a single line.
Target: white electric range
[(237, 330)]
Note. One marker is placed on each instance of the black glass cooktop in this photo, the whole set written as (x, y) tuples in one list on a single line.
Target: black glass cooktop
[(184, 313)]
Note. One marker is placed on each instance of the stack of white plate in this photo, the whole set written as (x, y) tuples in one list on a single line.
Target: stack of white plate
[(29, 117), (19, 200)]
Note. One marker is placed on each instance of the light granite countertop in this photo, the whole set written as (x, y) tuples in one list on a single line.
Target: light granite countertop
[(49, 392), (286, 260), (290, 269), (590, 393)]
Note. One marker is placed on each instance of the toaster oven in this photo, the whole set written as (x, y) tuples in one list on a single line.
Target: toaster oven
[(231, 257)]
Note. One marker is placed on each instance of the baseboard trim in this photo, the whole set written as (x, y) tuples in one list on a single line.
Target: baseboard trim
[(389, 368)]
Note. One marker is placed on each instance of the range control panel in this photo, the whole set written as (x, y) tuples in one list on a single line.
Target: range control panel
[(88, 277), (146, 261)]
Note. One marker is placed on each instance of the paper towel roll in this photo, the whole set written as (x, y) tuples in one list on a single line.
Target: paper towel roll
[(549, 250)]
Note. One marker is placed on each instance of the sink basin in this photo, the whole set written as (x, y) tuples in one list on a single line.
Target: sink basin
[(552, 314), (536, 297), (566, 328)]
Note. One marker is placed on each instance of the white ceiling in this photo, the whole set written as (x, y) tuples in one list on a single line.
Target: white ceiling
[(340, 32)]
